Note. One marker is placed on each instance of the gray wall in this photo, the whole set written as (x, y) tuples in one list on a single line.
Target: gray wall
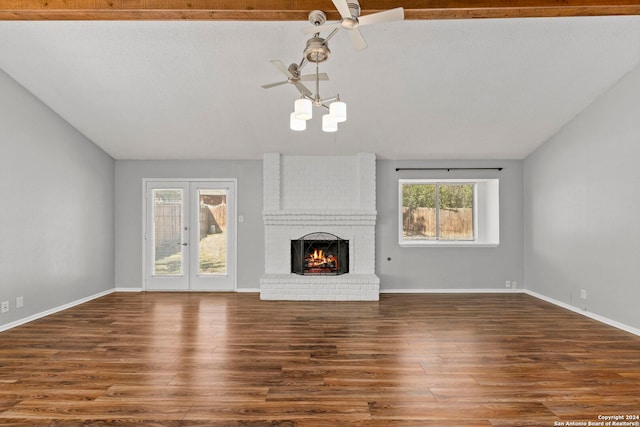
[(582, 204), (575, 227), (449, 268), (129, 221), (56, 210)]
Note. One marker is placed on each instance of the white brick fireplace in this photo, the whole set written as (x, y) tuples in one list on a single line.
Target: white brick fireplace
[(328, 194)]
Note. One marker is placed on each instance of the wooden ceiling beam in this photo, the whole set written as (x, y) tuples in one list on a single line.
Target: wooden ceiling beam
[(298, 10)]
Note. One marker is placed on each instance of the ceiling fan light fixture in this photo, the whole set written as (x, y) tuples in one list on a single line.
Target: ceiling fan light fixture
[(296, 124), (329, 124), (303, 109), (316, 50), (338, 110)]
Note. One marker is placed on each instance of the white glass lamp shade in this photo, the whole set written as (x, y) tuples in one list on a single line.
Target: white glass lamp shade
[(338, 111), (302, 108), (329, 124), (296, 124)]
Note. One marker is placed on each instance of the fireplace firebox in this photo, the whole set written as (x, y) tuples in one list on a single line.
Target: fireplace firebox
[(318, 254)]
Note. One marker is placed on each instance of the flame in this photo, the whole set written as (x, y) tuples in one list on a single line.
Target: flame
[(319, 259)]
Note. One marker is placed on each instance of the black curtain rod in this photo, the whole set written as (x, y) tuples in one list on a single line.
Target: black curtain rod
[(446, 169)]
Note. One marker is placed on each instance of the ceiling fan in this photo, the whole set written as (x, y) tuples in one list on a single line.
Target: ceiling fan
[(316, 51), (293, 76), (351, 21)]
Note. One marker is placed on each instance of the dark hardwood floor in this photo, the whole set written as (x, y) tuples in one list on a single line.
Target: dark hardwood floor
[(211, 359)]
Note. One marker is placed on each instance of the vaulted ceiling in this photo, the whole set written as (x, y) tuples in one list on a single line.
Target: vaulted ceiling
[(159, 79)]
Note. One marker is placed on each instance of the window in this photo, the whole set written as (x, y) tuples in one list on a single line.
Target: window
[(448, 212), (438, 211)]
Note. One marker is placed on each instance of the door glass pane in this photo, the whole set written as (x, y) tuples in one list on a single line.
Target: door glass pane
[(167, 231), (456, 211), (212, 249)]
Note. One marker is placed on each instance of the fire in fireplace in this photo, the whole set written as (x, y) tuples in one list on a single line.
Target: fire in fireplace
[(320, 254)]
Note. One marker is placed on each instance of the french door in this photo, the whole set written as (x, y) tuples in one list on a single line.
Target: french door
[(190, 235)]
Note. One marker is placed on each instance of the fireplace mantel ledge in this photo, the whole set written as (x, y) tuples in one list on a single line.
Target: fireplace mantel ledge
[(320, 217)]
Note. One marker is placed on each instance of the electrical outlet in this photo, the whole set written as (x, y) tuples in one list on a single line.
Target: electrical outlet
[(4, 307), (583, 293), (19, 302), (514, 284), (507, 283)]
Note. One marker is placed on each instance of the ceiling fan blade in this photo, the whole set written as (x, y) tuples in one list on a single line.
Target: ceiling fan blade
[(321, 28), (390, 15), (343, 8), (302, 88), (356, 38), (274, 84), (280, 66), (312, 77)]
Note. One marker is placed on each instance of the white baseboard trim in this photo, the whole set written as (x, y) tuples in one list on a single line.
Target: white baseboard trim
[(118, 289), (452, 291), (248, 290), (239, 290), (588, 314), (45, 313)]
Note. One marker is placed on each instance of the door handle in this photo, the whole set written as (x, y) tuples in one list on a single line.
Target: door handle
[(183, 244)]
